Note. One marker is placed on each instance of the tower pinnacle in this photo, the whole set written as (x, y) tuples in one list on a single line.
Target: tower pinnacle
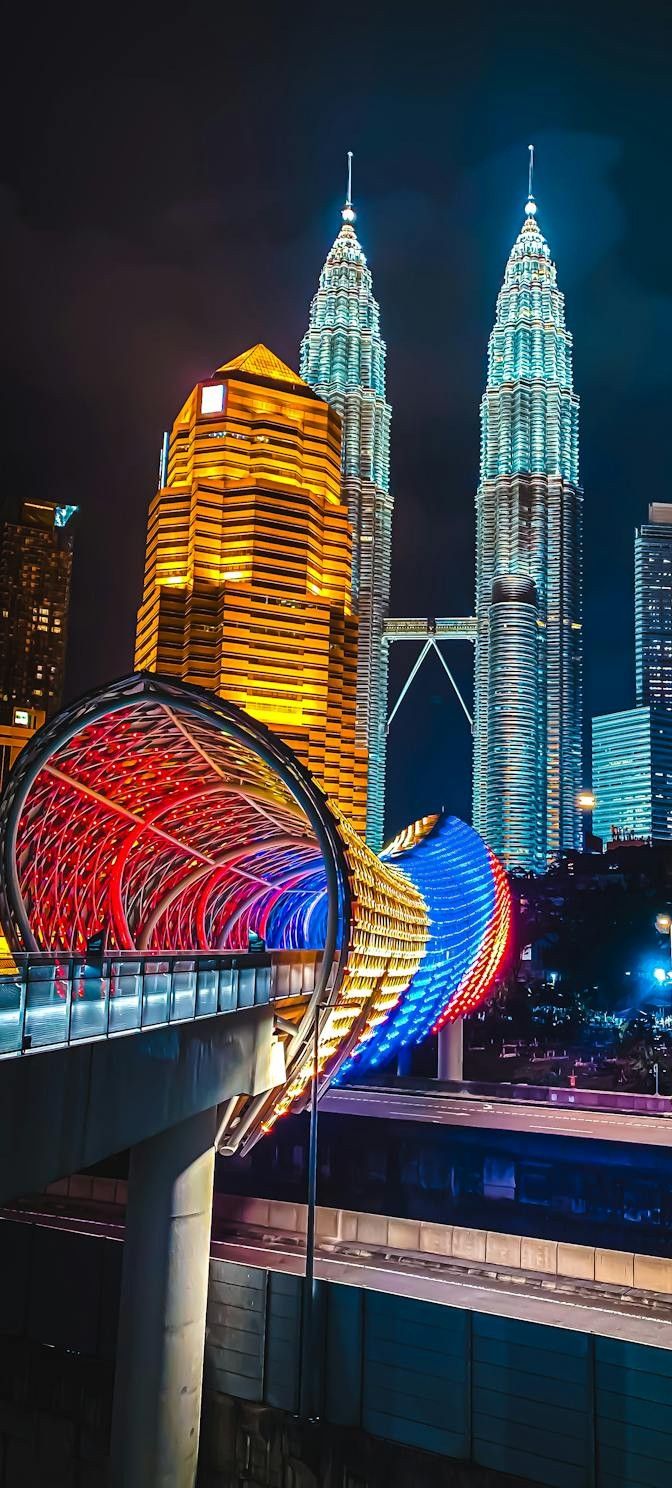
[(348, 214)]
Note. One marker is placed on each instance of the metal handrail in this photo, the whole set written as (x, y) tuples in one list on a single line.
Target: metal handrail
[(63, 985)]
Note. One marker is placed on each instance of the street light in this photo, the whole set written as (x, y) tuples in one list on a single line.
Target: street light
[(585, 803), (664, 927)]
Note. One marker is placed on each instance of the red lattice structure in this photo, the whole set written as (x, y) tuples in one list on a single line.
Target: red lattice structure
[(160, 832)]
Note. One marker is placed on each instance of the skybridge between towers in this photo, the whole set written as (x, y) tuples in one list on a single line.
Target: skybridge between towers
[(430, 632)]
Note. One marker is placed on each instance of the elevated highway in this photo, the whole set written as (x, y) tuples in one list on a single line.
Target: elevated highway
[(584, 1288), (601, 1116)]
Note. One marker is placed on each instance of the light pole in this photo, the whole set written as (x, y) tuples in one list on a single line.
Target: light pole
[(308, 1403)]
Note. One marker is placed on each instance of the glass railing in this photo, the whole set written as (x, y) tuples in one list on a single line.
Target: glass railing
[(49, 1000)]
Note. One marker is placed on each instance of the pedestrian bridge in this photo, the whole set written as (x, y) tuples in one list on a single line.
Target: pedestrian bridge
[(166, 862), (199, 939)]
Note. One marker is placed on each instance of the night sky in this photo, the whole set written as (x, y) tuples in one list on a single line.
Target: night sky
[(170, 188)]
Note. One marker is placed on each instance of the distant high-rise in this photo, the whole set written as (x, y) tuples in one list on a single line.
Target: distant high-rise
[(653, 607), (248, 567), (17, 726), (632, 774), (528, 673), (343, 359), (35, 574)]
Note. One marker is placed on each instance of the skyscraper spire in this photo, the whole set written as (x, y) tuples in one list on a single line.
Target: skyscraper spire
[(348, 214), (343, 359), (530, 207), (528, 680)]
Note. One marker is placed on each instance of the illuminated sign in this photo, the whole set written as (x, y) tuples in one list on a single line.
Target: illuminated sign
[(21, 717), (212, 399)]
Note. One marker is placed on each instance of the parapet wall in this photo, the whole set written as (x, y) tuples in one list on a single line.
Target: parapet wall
[(553, 1258)]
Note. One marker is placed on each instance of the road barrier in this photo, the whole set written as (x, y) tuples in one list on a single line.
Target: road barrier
[(554, 1258)]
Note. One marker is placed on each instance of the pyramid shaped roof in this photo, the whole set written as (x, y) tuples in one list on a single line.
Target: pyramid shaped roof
[(260, 362)]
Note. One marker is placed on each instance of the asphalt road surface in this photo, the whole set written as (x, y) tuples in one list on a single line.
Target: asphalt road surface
[(498, 1115)]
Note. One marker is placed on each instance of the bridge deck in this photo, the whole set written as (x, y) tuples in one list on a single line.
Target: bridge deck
[(455, 628), (51, 1001)]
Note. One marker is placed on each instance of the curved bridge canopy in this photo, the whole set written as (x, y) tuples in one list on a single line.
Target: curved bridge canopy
[(469, 901), (161, 817)]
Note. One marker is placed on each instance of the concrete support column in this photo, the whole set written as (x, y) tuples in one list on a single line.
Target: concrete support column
[(450, 1051), (159, 1371), (405, 1060)]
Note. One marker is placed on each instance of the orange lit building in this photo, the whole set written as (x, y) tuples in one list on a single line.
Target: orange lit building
[(248, 567)]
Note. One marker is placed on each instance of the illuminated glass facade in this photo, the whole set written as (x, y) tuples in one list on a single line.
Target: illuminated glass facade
[(248, 587), (528, 672), (632, 774), (343, 359), (35, 575), (653, 607)]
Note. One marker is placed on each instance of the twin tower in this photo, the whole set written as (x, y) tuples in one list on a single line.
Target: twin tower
[(267, 574)]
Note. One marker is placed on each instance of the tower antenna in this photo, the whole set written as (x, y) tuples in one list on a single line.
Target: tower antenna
[(530, 174), (348, 214)]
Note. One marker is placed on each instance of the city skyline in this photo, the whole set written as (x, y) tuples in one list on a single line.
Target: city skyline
[(355, 385), (133, 268), (336, 959)]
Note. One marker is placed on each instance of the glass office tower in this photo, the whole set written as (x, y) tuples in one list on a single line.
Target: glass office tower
[(653, 607), (632, 774), (528, 671), (343, 359)]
